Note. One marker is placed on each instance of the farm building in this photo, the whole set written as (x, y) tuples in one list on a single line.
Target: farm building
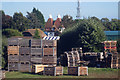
[(54, 27)]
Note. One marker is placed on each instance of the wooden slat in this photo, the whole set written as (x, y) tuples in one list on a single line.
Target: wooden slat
[(49, 51), (49, 60), (13, 50), (13, 58)]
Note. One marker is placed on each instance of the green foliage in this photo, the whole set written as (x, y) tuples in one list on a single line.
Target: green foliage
[(86, 33), (36, 18), (4, 52), (11, 32), (7, 21), (36, 36), (21, 23), (67, 21), (112, 25)]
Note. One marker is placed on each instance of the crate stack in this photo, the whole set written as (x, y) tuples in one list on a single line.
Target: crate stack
[(49, 52), (115, 60), (36, 51), (110, 47), (24, 55), (13, 54)]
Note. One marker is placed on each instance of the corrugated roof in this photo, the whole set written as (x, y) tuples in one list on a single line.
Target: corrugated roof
[(112, 32)]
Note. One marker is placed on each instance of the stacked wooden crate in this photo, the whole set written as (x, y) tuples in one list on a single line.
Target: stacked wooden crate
[(49, 52), (13, 54), (77, 70), (115, 60), (53, 71), (110, 47), (24, 51), (36, 51)]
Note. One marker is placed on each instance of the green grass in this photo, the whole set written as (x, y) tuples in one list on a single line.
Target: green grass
[(92, 73)]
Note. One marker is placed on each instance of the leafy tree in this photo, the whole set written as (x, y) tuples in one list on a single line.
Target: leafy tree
[(37, 19), (21, 23), (4, 52), (39, 15), (112, 25), (11, 32), (37, 36), (7, 21), (86, 33), (67, 21)]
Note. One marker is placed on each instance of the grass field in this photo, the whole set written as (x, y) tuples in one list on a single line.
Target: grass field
[(92, 73)]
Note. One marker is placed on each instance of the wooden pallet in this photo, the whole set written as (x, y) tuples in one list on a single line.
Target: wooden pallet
[(13, 66), (24, 42), (25, 66), (53, 71), (49, 59), (13, 41), (25, 54), (49, 43), (13, 58), (13, 50), (49, 52), (38, 68), (77, 71)]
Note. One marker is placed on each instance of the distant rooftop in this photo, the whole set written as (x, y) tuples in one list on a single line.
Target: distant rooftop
[(112, 35), (112, 32)]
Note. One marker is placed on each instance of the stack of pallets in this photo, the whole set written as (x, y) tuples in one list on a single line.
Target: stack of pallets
[(23, 53), (115, 60), (49, 52), (13, 54)]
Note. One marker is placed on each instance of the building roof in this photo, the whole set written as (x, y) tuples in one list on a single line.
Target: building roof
[(58, 22), (49, 23), (112, 33), (32, 32)]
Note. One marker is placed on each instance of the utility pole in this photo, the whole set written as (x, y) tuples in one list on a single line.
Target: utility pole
[(78, 10)]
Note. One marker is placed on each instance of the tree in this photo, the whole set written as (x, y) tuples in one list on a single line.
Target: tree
[(37, 36), (21, 23), (7, 21), (4, 53), (36, 18), (86, 33), (67, 21), (39, 15)]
